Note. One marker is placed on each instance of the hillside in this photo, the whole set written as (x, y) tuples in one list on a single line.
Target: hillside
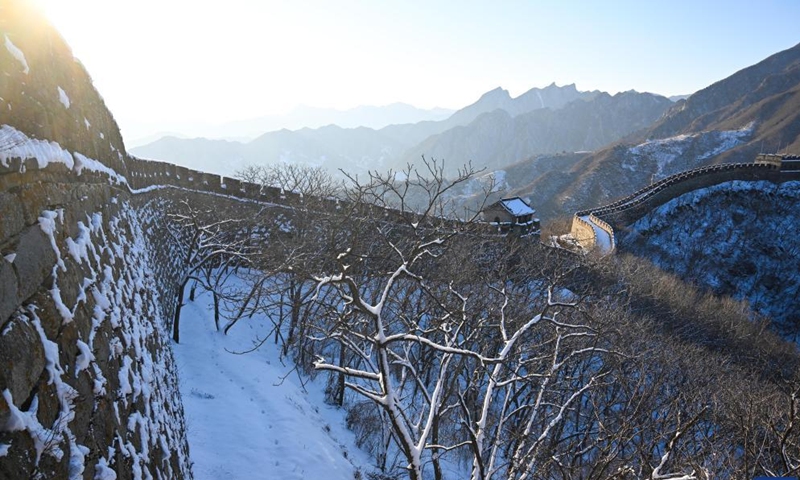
[(499, 138), (736, 238)]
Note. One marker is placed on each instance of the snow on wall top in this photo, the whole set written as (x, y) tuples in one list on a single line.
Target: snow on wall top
[(15, 144), (517, 206), (17, 53)]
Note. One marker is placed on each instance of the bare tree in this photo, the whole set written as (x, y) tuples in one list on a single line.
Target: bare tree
[(424, 344), (205, 242), (305, 180)]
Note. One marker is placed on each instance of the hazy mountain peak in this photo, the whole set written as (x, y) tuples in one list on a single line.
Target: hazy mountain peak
[(498, 94)]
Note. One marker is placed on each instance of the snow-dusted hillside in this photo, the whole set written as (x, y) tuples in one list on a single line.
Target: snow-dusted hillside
[(737, 238), (667, 156)]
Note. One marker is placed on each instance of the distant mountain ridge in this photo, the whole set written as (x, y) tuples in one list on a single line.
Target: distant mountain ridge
[(307, 117), (567, 119), (497, 139), (755, 109), (552, 97)]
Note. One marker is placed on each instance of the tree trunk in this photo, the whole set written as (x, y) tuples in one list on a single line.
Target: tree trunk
[(437, 467), (216, 309), (338, 397), (176, 320)]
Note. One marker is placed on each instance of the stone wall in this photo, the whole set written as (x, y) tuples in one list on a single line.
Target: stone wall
[(144, 174), (87, 380), (46, 93), (606, 227), (677, 185), (625, 211), (583, 233)]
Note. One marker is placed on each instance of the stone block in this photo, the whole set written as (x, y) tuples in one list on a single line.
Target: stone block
[(49, 316), (12, 219), (49, 405), (67, 347), (21, 457), (8, 291), (34, 261), (21, 358)]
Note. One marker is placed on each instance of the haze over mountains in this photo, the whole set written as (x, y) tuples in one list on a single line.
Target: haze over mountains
[(564, 149), (495, 130), (306, 117)]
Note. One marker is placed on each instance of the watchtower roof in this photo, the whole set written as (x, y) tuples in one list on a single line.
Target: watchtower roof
[(516, 206)]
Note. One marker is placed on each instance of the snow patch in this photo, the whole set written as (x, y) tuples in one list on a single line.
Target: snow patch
[(63, 98), (83, 359), (17, 53), (103, 472), (21, 146), (666, 150), (517, 207)]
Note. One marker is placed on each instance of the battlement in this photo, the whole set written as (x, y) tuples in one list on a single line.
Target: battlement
[(625, 211)]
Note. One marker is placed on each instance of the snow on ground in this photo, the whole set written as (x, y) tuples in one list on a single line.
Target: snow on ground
[(500, 182), (248, 416)]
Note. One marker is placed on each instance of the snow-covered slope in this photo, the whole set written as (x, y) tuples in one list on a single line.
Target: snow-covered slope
[(737, 238), (252, 415)]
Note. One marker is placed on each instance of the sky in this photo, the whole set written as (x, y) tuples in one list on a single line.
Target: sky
[(169, 65)]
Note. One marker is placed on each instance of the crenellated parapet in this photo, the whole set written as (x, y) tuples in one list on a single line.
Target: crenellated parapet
[(625, 211)]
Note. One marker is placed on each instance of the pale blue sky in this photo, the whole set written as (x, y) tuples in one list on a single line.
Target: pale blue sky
[(168, 64)]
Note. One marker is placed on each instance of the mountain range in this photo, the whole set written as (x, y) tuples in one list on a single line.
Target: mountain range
[(496, 130), (757, 109), (307, 117), (564, 149)]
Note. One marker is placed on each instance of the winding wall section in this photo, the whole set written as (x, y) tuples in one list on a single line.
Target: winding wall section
[(625, 211)]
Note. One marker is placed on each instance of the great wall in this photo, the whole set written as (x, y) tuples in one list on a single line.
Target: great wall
[(88, 279), (67, 300), (88, 272), (594, 229)]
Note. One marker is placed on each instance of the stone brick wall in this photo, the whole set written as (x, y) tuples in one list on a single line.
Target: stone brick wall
[(87, 380), (606, 227), (625, 211), (583, 233)]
